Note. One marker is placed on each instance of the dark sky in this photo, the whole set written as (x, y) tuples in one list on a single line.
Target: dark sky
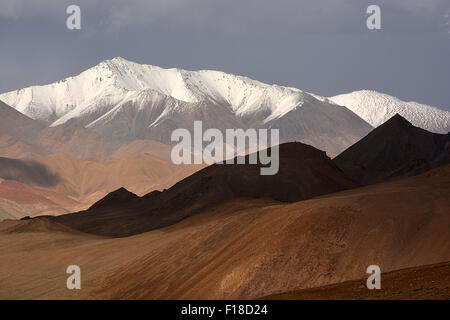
[(320, 46)]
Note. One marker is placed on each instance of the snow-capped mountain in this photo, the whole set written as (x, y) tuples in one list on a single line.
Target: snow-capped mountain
[(118, 81), (376, 108), (126, 101)]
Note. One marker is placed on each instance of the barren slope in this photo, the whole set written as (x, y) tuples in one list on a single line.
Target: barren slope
[(242, 249), (425, 282), (304, 172), (58, 183), (18, 133)]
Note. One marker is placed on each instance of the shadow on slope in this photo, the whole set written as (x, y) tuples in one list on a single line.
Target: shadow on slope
[(304, 172), (394, 149), (27, 171)]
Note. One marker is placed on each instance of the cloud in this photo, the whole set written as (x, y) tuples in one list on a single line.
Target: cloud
[(416, 6), (235, 17), (11, 9), (22, 9), (447, 20), (232, 17), (144, 12)]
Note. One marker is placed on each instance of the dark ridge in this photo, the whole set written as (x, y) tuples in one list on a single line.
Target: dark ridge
[(394, 149), (304, 172), (113, 199), (398, 121)]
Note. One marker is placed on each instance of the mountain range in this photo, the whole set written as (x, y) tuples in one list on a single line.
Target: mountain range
[(111, 115), (395, 149), (122, 213), (86, 178), (122, 101)]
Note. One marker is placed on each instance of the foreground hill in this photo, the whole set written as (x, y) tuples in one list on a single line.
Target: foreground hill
[(304, 172), (396, 148), (424, 282), (245, 248)]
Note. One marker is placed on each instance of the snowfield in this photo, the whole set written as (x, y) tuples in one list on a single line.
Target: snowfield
[(117, 81), (376, 108), (97, 93)]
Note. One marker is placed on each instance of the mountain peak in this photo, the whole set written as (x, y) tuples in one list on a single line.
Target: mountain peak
[(377, 108), (396, 148), (397, 128), (115, 197), (117, 59), (120, 59), (121, 191), (119, 62), (398, 120)]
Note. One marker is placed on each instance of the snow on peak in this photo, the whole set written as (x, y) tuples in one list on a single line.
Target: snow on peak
[(98, 90), (376, 108), (99, 93)]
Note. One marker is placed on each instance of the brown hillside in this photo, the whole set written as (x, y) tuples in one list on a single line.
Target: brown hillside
[(246, 248)]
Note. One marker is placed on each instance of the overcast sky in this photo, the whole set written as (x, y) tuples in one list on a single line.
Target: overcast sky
[(320, 46)]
